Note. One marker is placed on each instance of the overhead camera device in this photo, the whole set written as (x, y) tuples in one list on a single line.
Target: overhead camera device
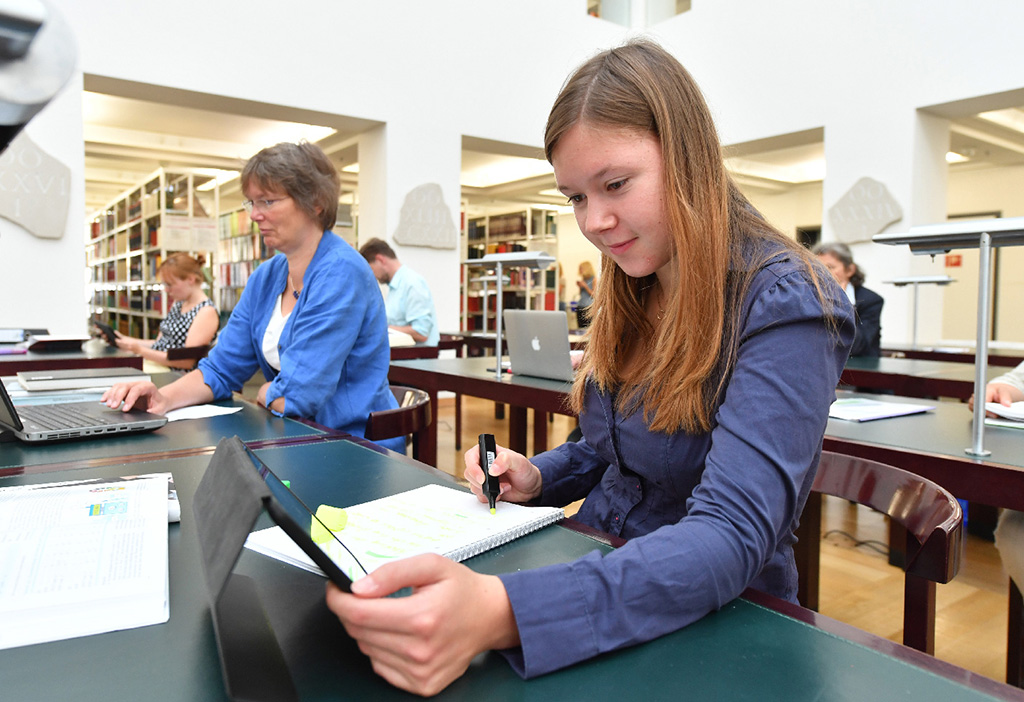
[(37, 56)]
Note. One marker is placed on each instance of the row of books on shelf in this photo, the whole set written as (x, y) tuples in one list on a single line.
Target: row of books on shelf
[(104, 248), (476, 229), (478, 250), (514, 277), (137, 238), (232, 224), (510, 301), (227, 298), (138, 300), (234, 274), (475, 306), (512, 224), (111, 219), (240, 248), (123, 242), (102, 224)]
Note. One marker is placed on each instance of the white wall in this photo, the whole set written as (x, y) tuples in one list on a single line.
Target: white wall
[(42, 281), (464, 67)]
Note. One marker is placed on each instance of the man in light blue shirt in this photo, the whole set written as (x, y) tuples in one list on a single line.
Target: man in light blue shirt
[(410, 306)]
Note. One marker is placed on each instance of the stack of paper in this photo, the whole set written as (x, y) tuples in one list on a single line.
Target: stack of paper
[(861, 409), (82, 558), (1012, 416), (430, 519)]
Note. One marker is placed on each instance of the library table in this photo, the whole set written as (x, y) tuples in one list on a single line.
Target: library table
[(955, 354), (914, 377), (107, 357), (475, 377), (755, 647), (932, 445)]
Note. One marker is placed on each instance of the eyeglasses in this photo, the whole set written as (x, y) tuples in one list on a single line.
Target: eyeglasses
[(261, 205)]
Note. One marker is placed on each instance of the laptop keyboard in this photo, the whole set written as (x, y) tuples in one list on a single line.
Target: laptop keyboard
[(68, 416)]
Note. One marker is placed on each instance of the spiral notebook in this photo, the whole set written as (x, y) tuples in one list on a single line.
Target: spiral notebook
[(430, 519)]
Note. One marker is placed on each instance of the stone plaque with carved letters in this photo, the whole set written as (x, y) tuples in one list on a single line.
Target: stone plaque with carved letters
[(865, 210), (426, 220), (34, 189)]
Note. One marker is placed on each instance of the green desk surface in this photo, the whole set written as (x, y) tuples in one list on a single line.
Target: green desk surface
[(946, 429), (745, 651), (252, 423)]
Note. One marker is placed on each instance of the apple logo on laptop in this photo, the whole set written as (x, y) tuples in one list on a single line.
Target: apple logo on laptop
[(535, 343)]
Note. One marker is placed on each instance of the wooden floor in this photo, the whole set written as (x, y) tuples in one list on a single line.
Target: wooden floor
[(858, 586)]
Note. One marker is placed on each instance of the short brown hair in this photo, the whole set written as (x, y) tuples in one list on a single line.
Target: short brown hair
[(375, 246), (303, 172)]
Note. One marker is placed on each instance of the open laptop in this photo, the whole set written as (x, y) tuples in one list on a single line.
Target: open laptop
[(538, 343), (71, 420)]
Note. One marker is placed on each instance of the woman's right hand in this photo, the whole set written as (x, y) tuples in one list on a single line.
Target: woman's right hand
[(1002, 393), (126, 343), (520, 480), (139, 395)]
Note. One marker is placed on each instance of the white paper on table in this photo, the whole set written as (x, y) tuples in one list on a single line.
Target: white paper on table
[(861, 409), (200, 412), (1014, 411), (82, 558)]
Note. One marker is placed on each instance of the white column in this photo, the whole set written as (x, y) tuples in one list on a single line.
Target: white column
[(42, 280), (409, 186), (904, 150)]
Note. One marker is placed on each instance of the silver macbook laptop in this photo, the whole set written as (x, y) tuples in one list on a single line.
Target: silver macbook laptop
[(71, 420), (538, 343)]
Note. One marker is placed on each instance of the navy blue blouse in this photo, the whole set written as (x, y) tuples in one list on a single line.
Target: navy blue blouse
[(706, 515)]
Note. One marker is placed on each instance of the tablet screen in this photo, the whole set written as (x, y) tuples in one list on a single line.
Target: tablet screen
[(306, 530), (107, 331)]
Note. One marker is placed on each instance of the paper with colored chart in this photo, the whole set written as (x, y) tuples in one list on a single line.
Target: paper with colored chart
[(430, 519), (82, 558)]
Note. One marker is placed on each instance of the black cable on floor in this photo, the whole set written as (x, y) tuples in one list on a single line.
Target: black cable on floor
[(876, 546)]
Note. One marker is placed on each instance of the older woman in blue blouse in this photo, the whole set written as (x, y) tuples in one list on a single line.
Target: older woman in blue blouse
[(714, 352), (311, 318)]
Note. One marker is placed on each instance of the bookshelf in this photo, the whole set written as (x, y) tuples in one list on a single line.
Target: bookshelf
[(240, 249), (530, 229), (128, 239)]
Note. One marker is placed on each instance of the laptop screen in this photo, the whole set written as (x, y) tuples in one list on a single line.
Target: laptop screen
[(538, 343)]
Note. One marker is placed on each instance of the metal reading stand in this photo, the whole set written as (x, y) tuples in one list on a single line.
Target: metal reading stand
[(484, 280), (983, 234), (518, 259), (916, 280)]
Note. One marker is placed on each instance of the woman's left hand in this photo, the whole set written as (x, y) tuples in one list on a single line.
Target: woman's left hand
[(423, 642), (261, 395), (261, 399)]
